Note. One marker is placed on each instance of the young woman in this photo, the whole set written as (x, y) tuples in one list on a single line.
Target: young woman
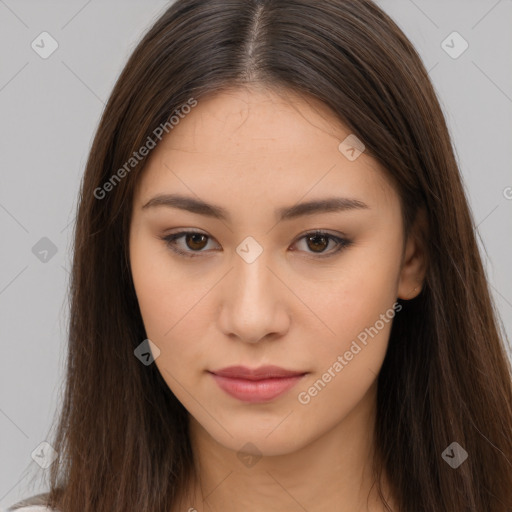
[(278, 302)]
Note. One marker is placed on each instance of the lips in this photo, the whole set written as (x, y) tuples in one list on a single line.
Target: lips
[(256, 385), (263, 372)]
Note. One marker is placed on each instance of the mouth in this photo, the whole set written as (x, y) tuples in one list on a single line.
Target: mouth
[(256, 385)]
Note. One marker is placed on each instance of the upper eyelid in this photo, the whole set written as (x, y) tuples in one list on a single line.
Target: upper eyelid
[(304, 233), (301, 235)]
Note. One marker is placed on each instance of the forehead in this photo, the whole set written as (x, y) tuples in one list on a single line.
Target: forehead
[(252, 120), (258, 143)]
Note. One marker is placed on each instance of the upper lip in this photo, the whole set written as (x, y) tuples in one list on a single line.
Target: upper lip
[(263, 372)]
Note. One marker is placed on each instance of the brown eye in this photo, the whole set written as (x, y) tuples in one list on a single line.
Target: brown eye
[(192, 243), (318, 243), (187, 243), (196, 241)]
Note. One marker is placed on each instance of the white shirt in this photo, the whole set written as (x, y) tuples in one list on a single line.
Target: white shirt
[(32, 508)]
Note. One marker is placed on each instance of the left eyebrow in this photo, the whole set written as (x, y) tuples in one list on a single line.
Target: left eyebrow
[(194, 205), (333, 204)]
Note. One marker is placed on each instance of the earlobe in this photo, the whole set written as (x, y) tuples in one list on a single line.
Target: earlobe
[(414, 264), (412, 294)]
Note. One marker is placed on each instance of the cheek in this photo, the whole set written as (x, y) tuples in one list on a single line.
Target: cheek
[(356, 310), (170, 302), (347, 364), (154, 291), (355, 294), (151, 287)]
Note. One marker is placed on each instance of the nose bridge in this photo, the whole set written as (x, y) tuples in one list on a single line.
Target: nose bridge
[(252, 280), (250, 298)]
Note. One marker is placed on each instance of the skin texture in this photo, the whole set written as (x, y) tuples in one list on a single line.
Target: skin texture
[(252, 151)]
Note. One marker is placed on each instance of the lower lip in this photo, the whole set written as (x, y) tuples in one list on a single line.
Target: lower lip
[(255, 391)]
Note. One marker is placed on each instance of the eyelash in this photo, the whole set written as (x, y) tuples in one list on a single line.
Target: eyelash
[(169, 240)]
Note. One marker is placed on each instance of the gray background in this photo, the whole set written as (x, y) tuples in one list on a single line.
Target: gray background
[(50, 109)]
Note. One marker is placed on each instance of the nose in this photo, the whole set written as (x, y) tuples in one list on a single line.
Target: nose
[(253, 302)]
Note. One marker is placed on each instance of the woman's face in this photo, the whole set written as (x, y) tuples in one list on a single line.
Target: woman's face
[(255, 286)]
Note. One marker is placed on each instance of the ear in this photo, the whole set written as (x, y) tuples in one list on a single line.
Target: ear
[(414, 262)]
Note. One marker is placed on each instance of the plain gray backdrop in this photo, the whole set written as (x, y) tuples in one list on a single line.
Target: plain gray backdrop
[(50, 108)]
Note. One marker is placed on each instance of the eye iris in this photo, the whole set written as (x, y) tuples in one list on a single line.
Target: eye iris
[(316, 237), (194, 237)]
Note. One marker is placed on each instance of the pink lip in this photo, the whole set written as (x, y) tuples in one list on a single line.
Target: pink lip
[(256, 385)]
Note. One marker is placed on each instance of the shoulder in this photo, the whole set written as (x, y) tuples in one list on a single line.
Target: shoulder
[(33, 504), (32, 508)]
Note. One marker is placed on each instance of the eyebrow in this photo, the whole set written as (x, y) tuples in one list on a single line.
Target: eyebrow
[(191, 204)]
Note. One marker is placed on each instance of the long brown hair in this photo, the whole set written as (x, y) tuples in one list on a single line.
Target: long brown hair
[(122, 437)]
